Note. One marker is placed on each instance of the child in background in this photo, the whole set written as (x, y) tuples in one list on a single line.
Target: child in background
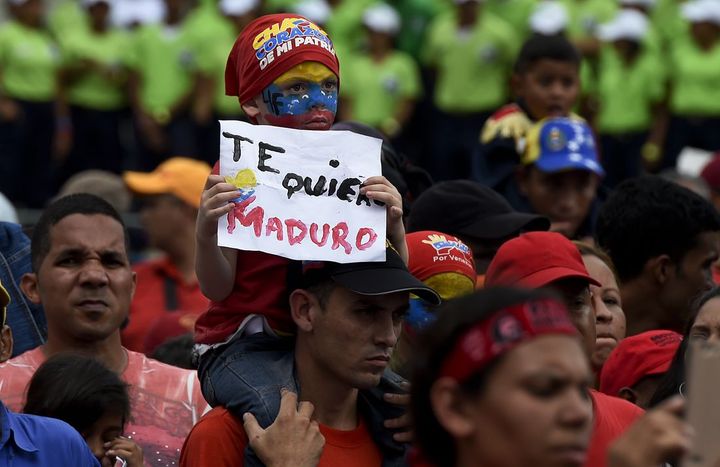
[(471, 51), (694, 72), (559, 176), (629, 88), (546, 83), (445, 264), (89, 397), (381, 85)]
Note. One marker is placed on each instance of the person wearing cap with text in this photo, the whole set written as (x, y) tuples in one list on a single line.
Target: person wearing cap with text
[(445, 264), (559, 176), (548, 260), (476, 214), (348, 319), (635, 367), (6, 337), (284, 72), (169, 198)]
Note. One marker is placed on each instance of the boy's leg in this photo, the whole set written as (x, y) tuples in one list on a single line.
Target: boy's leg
[(246, 375)]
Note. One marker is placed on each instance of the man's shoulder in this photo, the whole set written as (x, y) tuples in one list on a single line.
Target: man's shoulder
[(219, 435)]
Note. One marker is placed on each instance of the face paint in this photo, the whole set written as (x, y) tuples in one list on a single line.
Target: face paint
[(304, 97), (418, 317)]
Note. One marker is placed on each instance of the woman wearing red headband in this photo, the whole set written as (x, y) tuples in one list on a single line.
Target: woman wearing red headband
[(502, 380)]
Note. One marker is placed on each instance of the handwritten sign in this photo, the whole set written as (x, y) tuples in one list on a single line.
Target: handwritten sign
[(299, 193)]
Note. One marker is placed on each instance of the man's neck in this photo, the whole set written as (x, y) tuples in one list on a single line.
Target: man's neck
[(641, 307), (335, 402), (108, 351)]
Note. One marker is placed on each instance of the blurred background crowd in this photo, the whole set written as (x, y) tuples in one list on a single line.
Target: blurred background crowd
[(123, 85)]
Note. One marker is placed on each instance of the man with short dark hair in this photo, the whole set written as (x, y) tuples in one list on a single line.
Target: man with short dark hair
[(82, 276), (549, 260), (663, 241), (348, 319)]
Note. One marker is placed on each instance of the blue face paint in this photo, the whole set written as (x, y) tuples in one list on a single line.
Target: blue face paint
[(419, 317), (295, 104)]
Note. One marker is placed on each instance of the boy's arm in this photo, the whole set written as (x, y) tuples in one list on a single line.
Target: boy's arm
[(380, 189), (214, 266)]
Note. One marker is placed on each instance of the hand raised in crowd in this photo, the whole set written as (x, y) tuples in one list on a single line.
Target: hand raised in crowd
[(402, 424), (126, 449), (216, 201), (378, 188), (657, 437), (293, 439)]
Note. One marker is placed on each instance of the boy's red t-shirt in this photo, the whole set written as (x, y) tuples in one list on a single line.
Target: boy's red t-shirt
[(262, 287)]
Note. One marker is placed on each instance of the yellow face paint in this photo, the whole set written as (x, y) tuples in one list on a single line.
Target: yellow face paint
[(314, 72)]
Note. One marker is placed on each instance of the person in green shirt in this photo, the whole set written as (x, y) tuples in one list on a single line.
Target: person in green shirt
[(161, 80), (29, 126), (210, 104), (628, 89), (382, 84), (470, 52), (94, 79), (694, 76)]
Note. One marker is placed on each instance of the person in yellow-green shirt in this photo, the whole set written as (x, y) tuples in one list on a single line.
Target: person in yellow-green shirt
[(161, 81), (94, 79), (629, 87), (210, 104), (382, 84), (28, 89), (694, 76), (471, 52)]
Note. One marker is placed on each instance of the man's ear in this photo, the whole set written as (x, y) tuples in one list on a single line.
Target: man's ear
[(6, 343), (451, 408), (661, 268), (251, 108), (302, 306), (628, 394), (30, 287)]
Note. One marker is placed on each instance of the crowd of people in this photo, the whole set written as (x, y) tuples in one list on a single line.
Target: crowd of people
[(540, 290)]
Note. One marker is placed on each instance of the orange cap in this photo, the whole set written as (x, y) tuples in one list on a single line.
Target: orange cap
[(179, 176)]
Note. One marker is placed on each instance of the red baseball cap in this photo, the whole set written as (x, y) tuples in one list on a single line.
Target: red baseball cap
[(635, 357), (536, 259), (433, 253), (271, 45)]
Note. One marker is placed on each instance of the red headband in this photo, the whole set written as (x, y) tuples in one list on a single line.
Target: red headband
[(271, 45), (505, 330)]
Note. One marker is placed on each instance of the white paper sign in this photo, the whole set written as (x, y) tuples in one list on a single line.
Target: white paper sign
[(299, 193)]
